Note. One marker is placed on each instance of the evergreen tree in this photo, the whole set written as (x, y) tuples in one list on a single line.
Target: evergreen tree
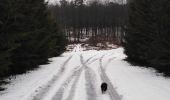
[(36, 42), (28, 36), (7, 44), (160, 49), (147, 36), (139, 30)]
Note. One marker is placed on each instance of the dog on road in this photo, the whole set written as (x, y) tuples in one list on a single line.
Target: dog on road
[(104, 87)]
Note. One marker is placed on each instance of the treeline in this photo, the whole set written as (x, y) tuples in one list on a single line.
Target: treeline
[(147, 39), (95, 19), (28, 36)]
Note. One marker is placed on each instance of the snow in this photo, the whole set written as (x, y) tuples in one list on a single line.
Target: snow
[(136, 83), (78, 74), (71, 39), (78, 48), (81, 93), (20, 85)]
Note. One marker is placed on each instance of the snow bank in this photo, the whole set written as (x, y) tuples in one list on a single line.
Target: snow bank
[(136, 83), (21, 87)]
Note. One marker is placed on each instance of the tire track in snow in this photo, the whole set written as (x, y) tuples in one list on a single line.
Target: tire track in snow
[(93, 60), (77, 73), (47, 87), (90, 58), (59, 94), (73, 88), (90, 86), (111, 89), (96, 59), (89, 77)]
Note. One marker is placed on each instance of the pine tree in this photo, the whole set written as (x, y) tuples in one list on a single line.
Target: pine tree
[(147, 36), (160, 49), (28, 36), (7, 44), (138, 30), (35, 42)]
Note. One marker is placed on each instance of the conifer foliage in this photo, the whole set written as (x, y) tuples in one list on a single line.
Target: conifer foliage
[(28, 36), (147, 39), (99, 20)]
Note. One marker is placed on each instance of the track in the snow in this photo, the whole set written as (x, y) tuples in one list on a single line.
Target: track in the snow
[(89, 77), (47, 87), (111, 89), (59, 94), (74, 77), (90, 80)]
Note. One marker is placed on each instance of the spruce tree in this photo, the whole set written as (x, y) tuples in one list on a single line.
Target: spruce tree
[(7, 44), (36, 40), (138, 34), (160, 49), (147, 36), (28, 37)]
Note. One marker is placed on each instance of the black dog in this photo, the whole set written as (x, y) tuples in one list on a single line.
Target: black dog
[(104, 87)]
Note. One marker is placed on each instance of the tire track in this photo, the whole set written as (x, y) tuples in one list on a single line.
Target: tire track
[(111, 89), (90, 84), (59, 94), (89, 77), (73, 88), (93, 60), (90, 58), (89, 62), (77, 73), (47, 87)]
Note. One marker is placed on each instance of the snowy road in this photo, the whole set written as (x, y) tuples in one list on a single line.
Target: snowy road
[(67, 90), (77, 75)]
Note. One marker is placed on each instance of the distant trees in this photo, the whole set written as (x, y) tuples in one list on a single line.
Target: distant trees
[(100, 21), (147, 40), (28, 35)]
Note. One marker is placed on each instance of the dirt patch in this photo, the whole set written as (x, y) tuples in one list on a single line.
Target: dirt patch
[(98, 46)]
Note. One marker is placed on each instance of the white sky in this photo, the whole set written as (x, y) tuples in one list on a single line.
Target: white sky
[(55, 1)]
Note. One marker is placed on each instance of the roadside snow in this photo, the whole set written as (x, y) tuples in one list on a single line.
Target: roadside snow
[(136, 83), (21, 87)]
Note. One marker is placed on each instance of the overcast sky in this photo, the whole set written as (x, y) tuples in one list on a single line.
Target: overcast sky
[(56, 1)]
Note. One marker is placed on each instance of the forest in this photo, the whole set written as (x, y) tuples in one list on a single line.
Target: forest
[(147, 38), (31, 31), (101, 21), (28, 36)]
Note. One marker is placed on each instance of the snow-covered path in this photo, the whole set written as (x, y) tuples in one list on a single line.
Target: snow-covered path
[(77, 75)]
